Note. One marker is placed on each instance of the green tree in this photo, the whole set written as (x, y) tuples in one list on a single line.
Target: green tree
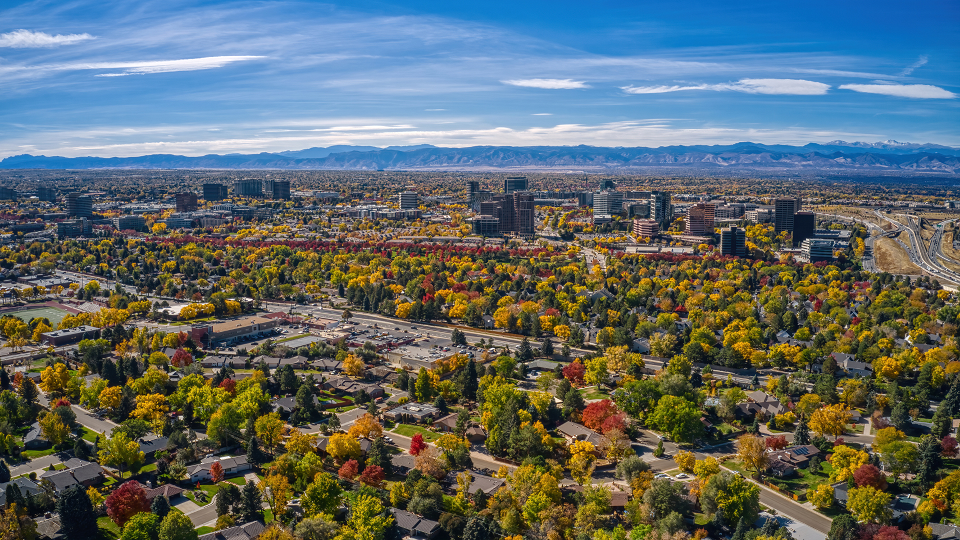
[(251, 503), (678, 417), (120, 452), (78, 521), (424, 388), (732, 495), (367, 520), (844, 527), (322, 496), (142, 526), (177, 526)]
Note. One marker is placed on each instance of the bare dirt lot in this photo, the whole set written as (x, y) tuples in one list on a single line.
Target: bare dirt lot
[(893, 258)]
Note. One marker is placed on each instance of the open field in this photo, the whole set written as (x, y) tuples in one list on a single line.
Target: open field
[(893, 258), (54, 315)]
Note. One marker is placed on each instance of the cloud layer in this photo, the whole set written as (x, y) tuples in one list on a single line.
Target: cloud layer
[(918, 91), (25, 39), (549, 84), (794, 87)]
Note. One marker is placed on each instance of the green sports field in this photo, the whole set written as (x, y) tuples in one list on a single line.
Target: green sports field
[(53, 314)]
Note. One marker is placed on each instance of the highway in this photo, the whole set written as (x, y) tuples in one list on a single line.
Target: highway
[(926, 258)]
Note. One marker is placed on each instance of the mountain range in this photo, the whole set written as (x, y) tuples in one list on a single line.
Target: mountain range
[(890, 156)]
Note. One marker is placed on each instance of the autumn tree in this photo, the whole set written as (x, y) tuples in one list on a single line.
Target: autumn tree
[(216, 472), (343, 447), (177, 526), (322, 496), (830, 420), (276, 491), (126, 501), (752, 452), (349, 469), (120, 452), (366, 427), (869, 505), (269, 428), (417, 445)]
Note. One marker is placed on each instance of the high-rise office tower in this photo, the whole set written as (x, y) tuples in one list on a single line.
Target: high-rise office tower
[(783, 212), (187, 202), (47, 194), (804, 224), (514, 183), (701, 218), (733, 241), (248, 187), (661, 209), (607, 203), (523, 210), (408, 200), (473, 187), (214, 192), (281, 190), (79, 205)]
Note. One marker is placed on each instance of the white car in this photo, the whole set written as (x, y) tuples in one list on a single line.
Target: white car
[(682, 476), (662, 475)]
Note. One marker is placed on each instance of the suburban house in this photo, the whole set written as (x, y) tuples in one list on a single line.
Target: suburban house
[(168, 491), (26, 486), (412, 525), (403, 463), (760, 403), (787, 461), (487, 484), (34, 440), (572, 432), (412, 412), (448, 423), (351, 387), (247, 531), (231, 466), (151, 443), (78, 471)]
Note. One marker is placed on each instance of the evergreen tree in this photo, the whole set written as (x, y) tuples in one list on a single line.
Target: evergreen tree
[(15, 496), (251, 503), (470, 381), (524, 351), (458, 337), (941, 424), (742, 528), (802, 434), (4, 380), (160, 506), (379, 455), (403, 379), (110, 374), (441, 405), (573, 400), (659, 451), (78, 521), (930, 461), (844, 527), (254, 454), (900, 418), (755, 428), (547, 348), (4, 471), (951, 404), (81, 450)]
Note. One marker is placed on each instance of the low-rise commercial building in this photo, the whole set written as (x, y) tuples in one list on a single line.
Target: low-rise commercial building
[(57, 338)]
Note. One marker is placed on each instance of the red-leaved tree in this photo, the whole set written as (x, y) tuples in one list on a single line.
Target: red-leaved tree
[(595, 413), (216, 472), (870, 475), (349, 469), (126, 501), (373, 475), (181, 358), (617, 422), (417, 445), (229, 385), (574, 372), (948, 446), (889, 532), (776, 443), (62, 402)]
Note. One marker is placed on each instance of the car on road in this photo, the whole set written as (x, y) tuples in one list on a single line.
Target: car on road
[(682, 476), (388, 439), (661, 437), (662, 475)]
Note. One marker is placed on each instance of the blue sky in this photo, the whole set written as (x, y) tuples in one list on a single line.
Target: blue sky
[(195, 77)]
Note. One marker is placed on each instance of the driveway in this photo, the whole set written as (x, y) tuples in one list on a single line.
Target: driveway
[(41, 463)]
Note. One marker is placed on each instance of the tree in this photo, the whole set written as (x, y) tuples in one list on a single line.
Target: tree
[(367, 520), (752, 451), (78, 520), (776, 443), (316, 528), (349, 469), (216, 472), (254, 454), (276, 490), (373, 476), (161, 506), (900, 457), (845, 462), (354, 367), (177, 526), (119, 451), (732, 495), (142, 526), (126, 501), (366, 427), (844, 527), (830, 420), (685, 461), (54, 430), (417, 445), (251, 503), (594, 414), (181, 358), (269, 428), (801, 435), (4, 471), (870, 475), (867, 504), (821, 496), (457, 337), (343, 447), (322, 496), (678, 417)]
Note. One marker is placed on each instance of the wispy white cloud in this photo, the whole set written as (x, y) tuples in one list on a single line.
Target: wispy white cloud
[(26, 39), (161, 66), (909, 69), (794, 87), (918, 91), (549, 84), (542, 114)]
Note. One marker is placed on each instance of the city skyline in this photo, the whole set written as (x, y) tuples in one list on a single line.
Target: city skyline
[(195, 78)]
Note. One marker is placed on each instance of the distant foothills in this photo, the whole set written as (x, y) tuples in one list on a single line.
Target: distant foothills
[(889, 156)]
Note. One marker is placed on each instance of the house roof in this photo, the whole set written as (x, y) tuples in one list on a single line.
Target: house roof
[(480, 482), (579, 432), (943, 531), (247, 531), (152, 443), (168, 491), (26, 486), (61, 480), (413, 523)]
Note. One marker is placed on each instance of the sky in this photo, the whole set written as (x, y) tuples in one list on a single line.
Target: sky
[(125, 78)]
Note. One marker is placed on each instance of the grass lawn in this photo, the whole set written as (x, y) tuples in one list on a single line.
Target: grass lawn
[(594, 393), (89, 435), (209, 489), (148, 468), (239, 480), (267, 516), (204, 530), (108, 528), (34, 454), (408, 430), (804, 479), (701, 519)]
